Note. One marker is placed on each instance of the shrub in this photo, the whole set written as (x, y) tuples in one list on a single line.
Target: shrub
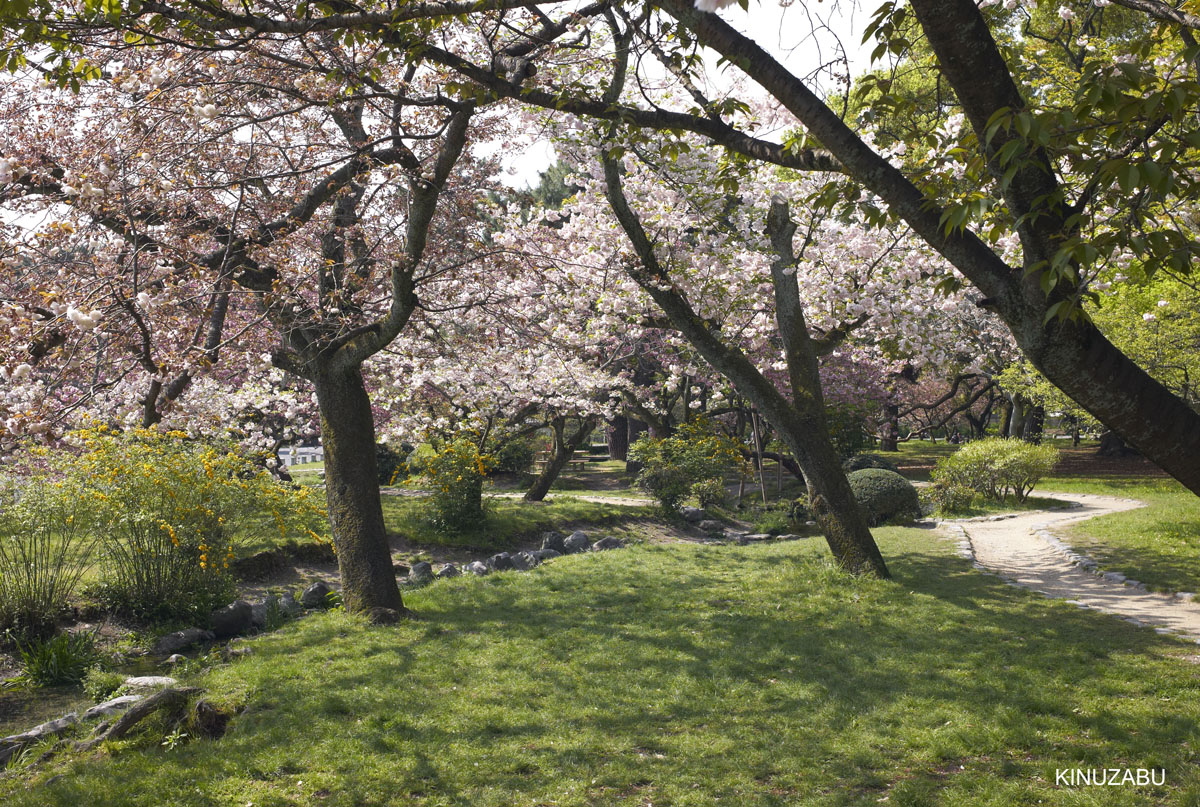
[(671, 466), (847, 430), (948, 497), (101, 684), (43, 552), (390, 464), (456, 473), (164, 509), (515, 456), (860, 461), (710, 492), (62, 659), (996, 468), (884, 495)]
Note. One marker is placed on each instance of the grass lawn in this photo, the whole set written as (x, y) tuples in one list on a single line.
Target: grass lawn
[(681, 675), (509, 521), (1158, 544)]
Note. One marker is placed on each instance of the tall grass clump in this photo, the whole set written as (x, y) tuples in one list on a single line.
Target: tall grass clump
[(44, 550)]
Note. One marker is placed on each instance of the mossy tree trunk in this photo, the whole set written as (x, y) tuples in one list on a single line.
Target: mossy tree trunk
[(352, 492)]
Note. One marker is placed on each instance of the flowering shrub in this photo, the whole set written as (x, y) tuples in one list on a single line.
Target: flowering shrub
[(166, 511), (456, 473), (996, 468), (672, 466), (710, 492)]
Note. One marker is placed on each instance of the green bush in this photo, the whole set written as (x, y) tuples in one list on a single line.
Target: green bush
[(710, 492), (847, 430), (884, 495), (43, 552), (390, 463), (996, 468), (516, 455), (860, 461), (456, 473), (948, 497), (671, 466), (62, 659), (162, 507), (101, 684)]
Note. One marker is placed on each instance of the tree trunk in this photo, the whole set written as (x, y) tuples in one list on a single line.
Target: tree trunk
[(1006, 416), (617, 437), (1035, 424), (565, 446), (352, 493), (890, 438), (636, 429)]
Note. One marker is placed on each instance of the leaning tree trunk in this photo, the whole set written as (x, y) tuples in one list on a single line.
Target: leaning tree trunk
[(352, 493), (565, 446)]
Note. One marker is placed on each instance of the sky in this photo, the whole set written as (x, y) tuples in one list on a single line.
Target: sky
[(785, 31)]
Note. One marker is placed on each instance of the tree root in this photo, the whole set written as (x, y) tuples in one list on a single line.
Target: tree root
[(171, 699)]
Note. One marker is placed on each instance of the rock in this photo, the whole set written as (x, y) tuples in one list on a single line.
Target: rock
[(288, 604), (422, 572), (500, 562), (607, 543), (449, 570), (148, 683), (112, 707), (477, 568), (711, 526), (174, 642), (1114, 577), (232, 620), (258, 614), (401, 569), (314, 596), (756, 537), (544, 555), (554, 541), (382, 616), (576, 542), (175, 658), (790, 537), (693, 515), (523, 561), (1186, 596)]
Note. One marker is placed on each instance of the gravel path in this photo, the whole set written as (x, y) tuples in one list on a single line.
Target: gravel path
[(1011, 548)]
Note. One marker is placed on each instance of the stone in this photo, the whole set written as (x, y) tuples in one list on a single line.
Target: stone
[(523, 561), (756, 537), (174, 642), (1186, 596), (382, 616), (790, 537), (422, 572), (1114, 577), (175, 658), (576, 542), (289, 605), (232, 620), (711, 526), (449, 570), (401, 569), (554, 541), (148, 683), (10, 746), (477, 568), (112, 707), (500, 562), (314, 596), (693, 515), (607, 543), (258, 614), (544, 555)]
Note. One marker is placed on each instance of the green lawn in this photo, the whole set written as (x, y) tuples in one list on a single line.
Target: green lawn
[(509, 521), (681, 675), (1158, 544)]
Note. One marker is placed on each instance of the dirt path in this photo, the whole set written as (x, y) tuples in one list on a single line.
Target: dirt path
[(1011, 548)]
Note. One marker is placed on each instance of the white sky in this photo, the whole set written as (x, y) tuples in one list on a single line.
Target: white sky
[(786, 32)]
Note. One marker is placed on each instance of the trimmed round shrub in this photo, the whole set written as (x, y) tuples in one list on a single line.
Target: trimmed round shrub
[(861, 461), (884, 495)]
